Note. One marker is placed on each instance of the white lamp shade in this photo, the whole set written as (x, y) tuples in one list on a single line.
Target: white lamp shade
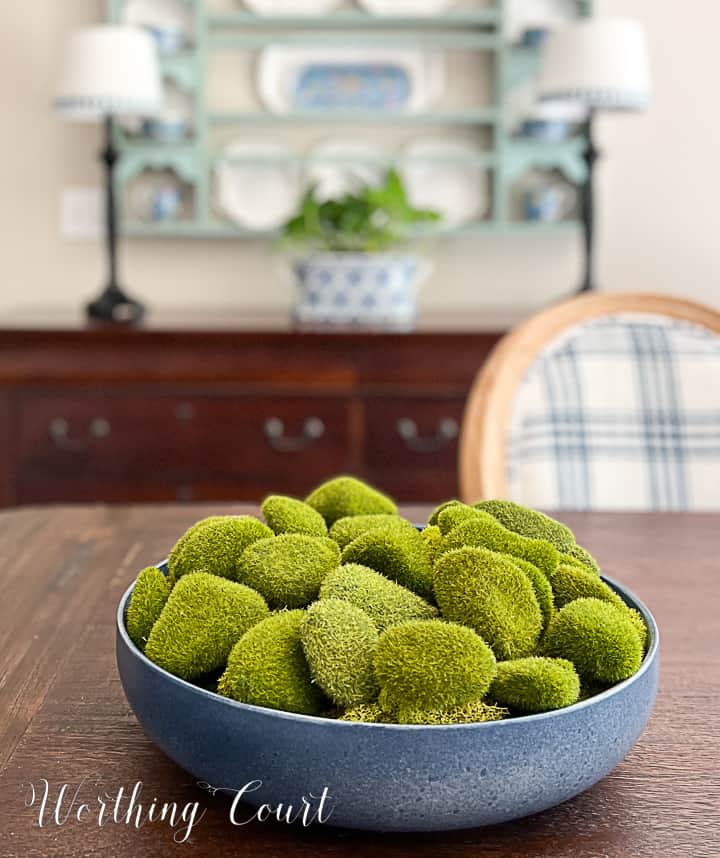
[(109, 71), (600, 62)]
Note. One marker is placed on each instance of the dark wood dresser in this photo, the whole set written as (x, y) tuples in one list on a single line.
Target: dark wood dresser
[(212, 407)]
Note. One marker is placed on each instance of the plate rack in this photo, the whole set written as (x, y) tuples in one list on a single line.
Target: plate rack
[(192, 161)]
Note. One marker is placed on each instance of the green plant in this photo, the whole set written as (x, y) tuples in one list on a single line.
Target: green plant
[(149, 595), (339, 642), (384, 601), (540, 584), (267, 667), (529, 522), (288, 515), (598, 638), (577, 582), (346, 530), (370, 220), (205, 615), (288, 569), (483, 531), (215, 545), (490, 594), (346, 496), (431, 665), (400, 555), (535, 684), (470, 713)]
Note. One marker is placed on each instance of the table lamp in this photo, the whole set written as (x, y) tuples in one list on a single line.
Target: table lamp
[(110, 72), (602, 64)]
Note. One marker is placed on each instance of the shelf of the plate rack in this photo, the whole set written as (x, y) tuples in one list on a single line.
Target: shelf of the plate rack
[(480, 116), (523, 155), (420, 39), (182, 160)]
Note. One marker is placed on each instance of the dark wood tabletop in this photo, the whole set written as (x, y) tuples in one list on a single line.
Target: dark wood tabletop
[(64, 719)]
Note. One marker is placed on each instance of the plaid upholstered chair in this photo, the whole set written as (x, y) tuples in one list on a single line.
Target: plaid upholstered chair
[(603, 402)]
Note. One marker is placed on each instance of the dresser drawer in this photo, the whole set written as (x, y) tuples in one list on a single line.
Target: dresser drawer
[(411, 445), (181, 438)]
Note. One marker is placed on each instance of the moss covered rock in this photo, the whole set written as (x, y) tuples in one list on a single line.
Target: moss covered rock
[(529, 522), (577, 582), (343, 496), (339, 641), (535, 684), (598, 638), (489, 593), (430, 665), (267, 667), (483, 531), (541, 586), (384, 601), (289, 515), (346, 530), (400, 555), (202, 620), (453, 515), (215, 545), (582, 556), (149, 595), (288, 569), (435, 514)]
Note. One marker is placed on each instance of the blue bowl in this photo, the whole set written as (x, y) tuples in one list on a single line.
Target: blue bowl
[(391, 777)]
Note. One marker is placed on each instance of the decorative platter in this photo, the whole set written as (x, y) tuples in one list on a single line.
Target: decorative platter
[(170, 22)]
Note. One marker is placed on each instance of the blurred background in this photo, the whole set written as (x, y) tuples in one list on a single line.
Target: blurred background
[(438, 141)]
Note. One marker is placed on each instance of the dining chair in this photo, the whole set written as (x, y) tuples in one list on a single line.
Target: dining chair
[(603, 402)]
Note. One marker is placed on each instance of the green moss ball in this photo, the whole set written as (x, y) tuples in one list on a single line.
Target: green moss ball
[(435, 514), (343, 496), (576, 582), (430, 665), (215, 545), (483, 531), (202, 620), (636, 618), (534, 684), (346, 530), (288, 569), (289, 515), (454, 515), (384, 601), (149, 595), (598, 638), (578, 554), (541, 586), (490, 594), (339, 641), (529, 522), (398, 554), (432, 537), (176, 552), (267, 667)]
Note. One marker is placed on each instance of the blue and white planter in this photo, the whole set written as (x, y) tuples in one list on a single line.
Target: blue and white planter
[(358, 288)]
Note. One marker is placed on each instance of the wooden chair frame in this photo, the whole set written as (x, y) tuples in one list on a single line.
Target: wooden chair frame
[(483, 441)]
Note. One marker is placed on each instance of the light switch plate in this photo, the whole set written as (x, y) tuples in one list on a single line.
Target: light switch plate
[(81, 213)]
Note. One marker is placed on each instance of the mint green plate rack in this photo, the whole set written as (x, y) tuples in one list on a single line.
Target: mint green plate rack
[(481, 29)]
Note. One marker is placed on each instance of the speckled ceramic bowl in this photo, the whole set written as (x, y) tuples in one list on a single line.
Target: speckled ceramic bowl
[(391, 777)]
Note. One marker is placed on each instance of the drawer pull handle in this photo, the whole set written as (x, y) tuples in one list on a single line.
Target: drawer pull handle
[(446, 433), (313, 429), (60, 434)]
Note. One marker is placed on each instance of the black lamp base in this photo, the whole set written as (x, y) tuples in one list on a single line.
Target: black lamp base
[(115, 307)]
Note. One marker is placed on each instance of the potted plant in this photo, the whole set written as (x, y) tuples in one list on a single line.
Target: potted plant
[(350, 269)]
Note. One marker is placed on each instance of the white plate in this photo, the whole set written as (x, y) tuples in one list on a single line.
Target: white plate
[(259, 186), (522, 15), (458, 191), (285, 84), (350, 165), (290, 8), (168, 16), (406, 8)]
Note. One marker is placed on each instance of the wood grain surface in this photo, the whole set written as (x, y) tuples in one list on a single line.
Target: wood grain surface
[(64, 718)]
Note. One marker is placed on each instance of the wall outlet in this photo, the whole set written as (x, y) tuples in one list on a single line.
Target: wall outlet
[(81, 213)]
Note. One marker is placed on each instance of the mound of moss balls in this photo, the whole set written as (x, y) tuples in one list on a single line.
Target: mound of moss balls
[(336, 606)]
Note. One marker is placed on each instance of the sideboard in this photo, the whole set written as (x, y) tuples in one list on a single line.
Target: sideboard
[(203, 407)]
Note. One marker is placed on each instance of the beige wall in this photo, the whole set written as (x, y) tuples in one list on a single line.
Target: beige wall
[(658, 191)]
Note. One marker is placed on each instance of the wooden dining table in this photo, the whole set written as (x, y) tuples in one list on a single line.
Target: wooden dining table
[(68, 737)]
